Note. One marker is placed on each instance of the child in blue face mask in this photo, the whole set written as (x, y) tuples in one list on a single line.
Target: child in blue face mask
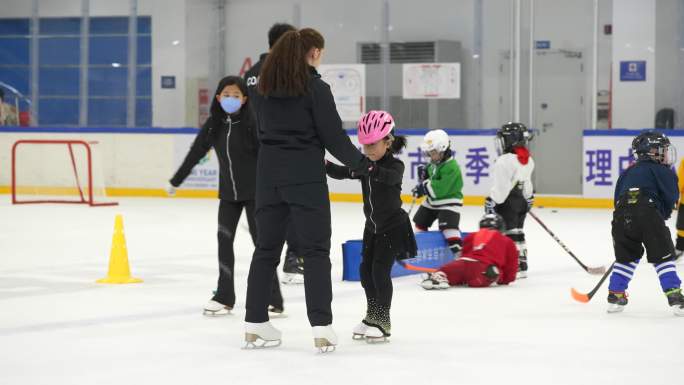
[(231, 132)]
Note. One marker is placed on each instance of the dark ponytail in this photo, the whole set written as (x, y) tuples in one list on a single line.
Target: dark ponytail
[(286, 70), (398, 144)]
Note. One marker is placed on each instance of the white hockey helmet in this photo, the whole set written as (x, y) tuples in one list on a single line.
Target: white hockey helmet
[(435, 140)]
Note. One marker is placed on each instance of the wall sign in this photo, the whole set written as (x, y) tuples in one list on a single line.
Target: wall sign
[(633, 71), (431, 81), (168, 82), (543, 44)]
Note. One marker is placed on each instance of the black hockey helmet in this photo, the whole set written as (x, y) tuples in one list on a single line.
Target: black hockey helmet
[(493, 221), (512, 135), (655, 146)]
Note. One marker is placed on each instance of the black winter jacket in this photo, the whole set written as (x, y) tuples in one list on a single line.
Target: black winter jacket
[(236, 147), (252, 75), (294, 133), (381, 192)]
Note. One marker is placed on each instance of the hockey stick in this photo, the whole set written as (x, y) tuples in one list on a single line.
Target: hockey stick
[(590, 270), (409, 266), (577, 296)]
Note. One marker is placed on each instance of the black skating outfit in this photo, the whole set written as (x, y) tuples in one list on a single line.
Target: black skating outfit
[(292, 262), (236, 146), (294, 132), (387, 235)]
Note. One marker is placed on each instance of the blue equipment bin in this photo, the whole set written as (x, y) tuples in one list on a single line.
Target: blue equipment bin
[(433, 252)]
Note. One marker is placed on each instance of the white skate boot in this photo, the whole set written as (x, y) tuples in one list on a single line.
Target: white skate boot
[(359, 331), (261, 335), (215, 309), (325, 338), (435, 281), (375, 335)]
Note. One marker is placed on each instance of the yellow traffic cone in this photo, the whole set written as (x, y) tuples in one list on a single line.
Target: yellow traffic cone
[(119, 271)]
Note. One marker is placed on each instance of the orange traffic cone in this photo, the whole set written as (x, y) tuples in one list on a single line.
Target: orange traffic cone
[(119, 271)]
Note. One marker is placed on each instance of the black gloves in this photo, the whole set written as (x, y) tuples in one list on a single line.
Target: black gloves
[(492, 272), (422, 173), (420, 190), (364, 168), (489, 206), (530, 202)]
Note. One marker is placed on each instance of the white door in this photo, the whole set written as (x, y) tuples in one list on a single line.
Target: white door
[(559, 119)]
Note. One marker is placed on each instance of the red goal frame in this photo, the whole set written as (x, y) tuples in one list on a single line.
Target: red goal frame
[(86, 197)]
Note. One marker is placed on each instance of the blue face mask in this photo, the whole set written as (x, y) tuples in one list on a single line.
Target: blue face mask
[(230, 104)]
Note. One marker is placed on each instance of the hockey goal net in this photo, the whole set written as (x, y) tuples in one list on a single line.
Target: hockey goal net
[(57, 171)]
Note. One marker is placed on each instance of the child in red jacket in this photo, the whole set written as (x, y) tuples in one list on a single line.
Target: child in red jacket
[(488, 256)]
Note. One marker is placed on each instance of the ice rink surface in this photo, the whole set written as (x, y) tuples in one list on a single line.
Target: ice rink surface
[(57, 326)]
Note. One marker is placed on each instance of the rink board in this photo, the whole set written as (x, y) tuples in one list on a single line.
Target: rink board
[(128, 171), (433, 252), (608, 153)]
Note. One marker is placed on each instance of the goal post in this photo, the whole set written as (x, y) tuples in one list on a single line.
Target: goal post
[(56, 171)]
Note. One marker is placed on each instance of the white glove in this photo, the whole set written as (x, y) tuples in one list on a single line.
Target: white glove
[(170, 189)]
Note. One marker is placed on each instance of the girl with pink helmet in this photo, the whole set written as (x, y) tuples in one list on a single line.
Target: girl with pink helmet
[(388, 234)]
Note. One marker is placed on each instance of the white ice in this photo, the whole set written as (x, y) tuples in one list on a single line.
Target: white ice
[(57, 326)]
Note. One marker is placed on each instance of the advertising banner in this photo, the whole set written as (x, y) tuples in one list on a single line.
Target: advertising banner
[(473, 150), (607, 154), (205, 175)]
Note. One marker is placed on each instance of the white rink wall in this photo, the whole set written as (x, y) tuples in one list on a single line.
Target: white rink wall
[(127, 160), (141, 163), (147, 161)]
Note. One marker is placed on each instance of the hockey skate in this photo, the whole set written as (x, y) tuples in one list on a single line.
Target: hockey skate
[(261, 335), (216, 309), (617, 300), (359, 331), (676, 301), (435, 281), (522, 260), (522, 268), (325, 339), (276, 312), (375, 335), (293, 269)]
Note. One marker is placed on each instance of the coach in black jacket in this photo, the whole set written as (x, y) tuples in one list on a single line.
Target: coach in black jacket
[(274, 33), (292, 266), (298, 121), (233, 137)]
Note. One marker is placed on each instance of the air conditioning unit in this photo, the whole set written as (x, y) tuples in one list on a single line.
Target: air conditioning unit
[(412, 113)]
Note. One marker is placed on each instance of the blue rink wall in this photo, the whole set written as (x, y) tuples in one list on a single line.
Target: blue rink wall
[(139, 161)]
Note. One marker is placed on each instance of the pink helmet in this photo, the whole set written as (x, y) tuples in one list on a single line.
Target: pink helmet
[(374, 125)]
